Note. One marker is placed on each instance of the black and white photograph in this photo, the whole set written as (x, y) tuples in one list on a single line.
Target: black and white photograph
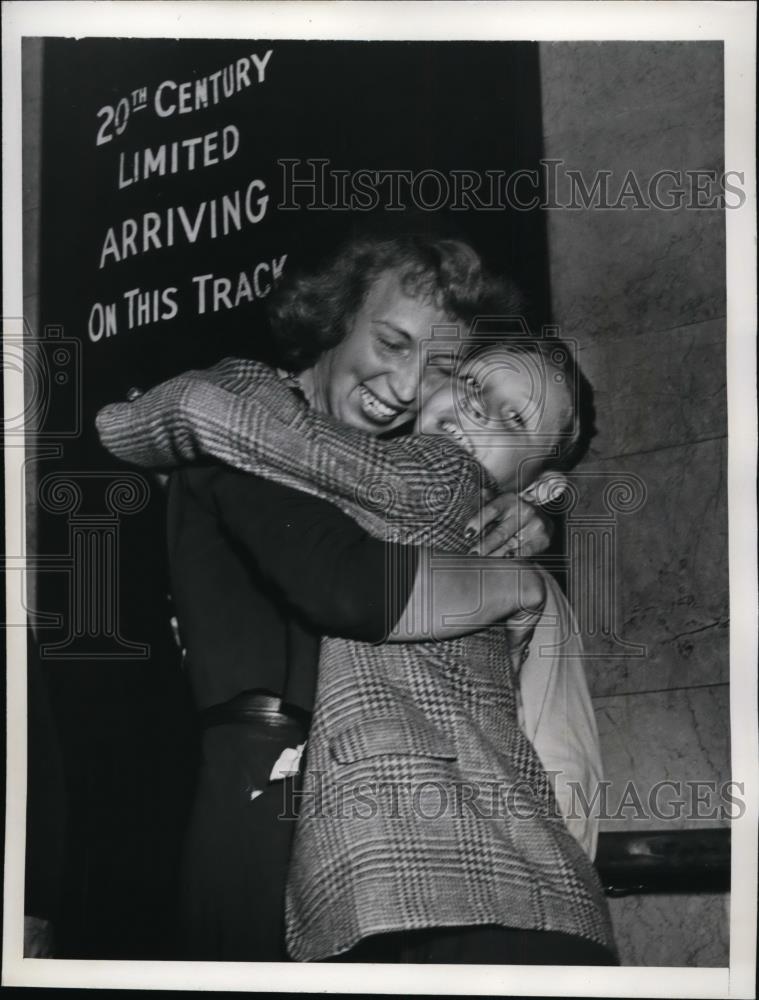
[(380, 497)]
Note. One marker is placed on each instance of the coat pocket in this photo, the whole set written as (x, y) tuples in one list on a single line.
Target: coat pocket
[(395, 735)]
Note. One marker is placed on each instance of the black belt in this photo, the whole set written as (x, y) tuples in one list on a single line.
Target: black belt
[(255, 707)]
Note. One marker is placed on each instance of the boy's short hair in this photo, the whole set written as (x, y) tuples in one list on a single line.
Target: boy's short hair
[(575, 439)]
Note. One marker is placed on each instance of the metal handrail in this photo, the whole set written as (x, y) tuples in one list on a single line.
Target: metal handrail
[(664, 861)]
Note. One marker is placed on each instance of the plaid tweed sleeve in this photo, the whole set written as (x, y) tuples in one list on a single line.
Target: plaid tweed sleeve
[(157, 430), (244, 415)]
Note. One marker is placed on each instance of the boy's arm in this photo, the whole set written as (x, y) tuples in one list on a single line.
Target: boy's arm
[(470, 593), (321, 563), (346, 583)]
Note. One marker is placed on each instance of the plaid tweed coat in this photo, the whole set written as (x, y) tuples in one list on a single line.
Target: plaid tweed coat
[(423, 803)]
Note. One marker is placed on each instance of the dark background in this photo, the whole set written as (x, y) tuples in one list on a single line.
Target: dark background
[(103, 855)]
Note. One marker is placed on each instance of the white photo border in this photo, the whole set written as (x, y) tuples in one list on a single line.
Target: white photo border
[(733, 23)]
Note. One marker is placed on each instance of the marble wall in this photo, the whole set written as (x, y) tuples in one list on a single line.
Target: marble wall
[(642, 292)]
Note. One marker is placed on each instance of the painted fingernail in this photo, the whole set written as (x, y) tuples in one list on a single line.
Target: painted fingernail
[(469, 533), (474, 551)]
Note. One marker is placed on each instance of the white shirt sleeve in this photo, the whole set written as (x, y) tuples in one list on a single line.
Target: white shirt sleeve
[(556, 713)]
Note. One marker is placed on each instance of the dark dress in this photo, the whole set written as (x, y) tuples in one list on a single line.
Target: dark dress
[(259, 572)]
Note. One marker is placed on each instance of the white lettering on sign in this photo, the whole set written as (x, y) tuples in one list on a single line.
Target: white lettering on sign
[(172, 98), (172, 157), (210, 219), (216, 292), (162, 225), (102, 321), (151, 305)]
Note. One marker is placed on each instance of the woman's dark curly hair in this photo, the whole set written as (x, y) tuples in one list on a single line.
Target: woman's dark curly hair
[(313, 312)]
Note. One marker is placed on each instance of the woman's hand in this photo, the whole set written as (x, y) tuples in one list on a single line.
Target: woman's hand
[(513, 524)]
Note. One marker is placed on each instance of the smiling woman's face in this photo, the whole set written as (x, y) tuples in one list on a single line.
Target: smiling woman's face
[(371, 379)]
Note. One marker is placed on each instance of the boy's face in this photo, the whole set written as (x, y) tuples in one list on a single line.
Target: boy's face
[(506, 409)]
